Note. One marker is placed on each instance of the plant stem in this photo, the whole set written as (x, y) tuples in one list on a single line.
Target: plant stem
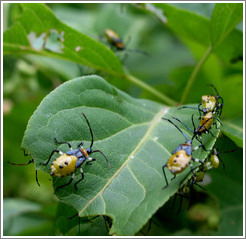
[(194, 73), (150, 89)]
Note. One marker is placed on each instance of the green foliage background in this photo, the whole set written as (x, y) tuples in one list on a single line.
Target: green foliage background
[(190, 46)]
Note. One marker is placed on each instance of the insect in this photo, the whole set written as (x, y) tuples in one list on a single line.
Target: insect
[(181, 157), (210, 103), (67, 163), (116, 42), (212, 161), (29, 162), (204, 127)]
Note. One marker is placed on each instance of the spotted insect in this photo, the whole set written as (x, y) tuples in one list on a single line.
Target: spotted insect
[(212, 161), (116, 42), (210, 104), (67, 163), (114, 39), (181, 157), (23, 164)]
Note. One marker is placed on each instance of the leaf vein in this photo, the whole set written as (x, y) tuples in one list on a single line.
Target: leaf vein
[(152, 125)]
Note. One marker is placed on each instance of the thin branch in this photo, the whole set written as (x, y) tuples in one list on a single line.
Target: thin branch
[(151, 90), (194, 74)]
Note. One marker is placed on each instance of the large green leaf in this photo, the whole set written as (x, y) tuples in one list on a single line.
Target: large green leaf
[(132, 135), (38, 31), (234, 130), (190, 26), (186, 24), (224, 19)]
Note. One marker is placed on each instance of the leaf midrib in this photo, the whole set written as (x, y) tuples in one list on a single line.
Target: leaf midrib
[(152, 125)]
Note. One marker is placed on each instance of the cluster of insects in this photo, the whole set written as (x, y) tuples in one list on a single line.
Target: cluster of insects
[(209, 115), (182, 156), (210, 110)]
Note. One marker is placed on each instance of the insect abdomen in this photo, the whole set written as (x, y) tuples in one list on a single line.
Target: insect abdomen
[(63, 165), (178, 162)]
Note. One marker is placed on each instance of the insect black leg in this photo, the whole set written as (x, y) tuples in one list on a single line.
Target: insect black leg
[(106, 223), (82, 177), (54, 151), (221, 161), (202, 145), (163, 169), (36, 173), (21, 164), (69, 145), (199, 146), (211, 134), (221, 106), (200, 110), (76, 214), (70, 181), (174, 176), (90, 160), (197, 160), (25, 154), (200, 186), (192, 168)]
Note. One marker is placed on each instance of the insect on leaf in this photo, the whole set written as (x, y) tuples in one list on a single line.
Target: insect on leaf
[(38, 31), (130, 132)]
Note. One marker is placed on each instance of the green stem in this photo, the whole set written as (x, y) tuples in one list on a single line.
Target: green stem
[(150, 89), (194, 73)]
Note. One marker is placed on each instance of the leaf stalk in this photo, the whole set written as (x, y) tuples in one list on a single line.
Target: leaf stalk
[(151, 90), (194, 74)]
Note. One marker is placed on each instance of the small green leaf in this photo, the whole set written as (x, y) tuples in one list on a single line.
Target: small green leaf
[(234, 130), (38, 31), (131, 134), (224, 19)]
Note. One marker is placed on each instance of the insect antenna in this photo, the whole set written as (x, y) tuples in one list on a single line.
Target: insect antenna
[(99, 151), (183, 124), (92, 139), (215, 90), (177, 128), (138, 51)]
